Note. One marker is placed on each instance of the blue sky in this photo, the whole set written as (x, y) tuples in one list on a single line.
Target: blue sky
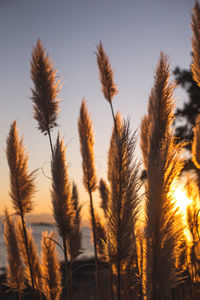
[(133, 33)]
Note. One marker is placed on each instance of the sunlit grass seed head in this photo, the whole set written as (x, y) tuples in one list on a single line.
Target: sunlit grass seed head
[(113, 142), (61, 191), (21, 182), (86, 137), (34, 257), (196, 143), (51, 275), (163, 224), (109, 88), (75, 239), (46, 89), (15, 270), (196, 42)]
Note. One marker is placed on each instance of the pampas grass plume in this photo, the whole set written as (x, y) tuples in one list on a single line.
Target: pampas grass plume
[(196, 42), (21, 182), (86, 137), (104, 192), (109, 89), (196, 143), (144, 139), (116, 131), (61, 191), (46, 89), (34, 258), (15, 270), (163, 224), (75, 239), (50, 268)]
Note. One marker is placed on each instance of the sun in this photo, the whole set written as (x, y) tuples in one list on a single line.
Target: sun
[(181, 199)]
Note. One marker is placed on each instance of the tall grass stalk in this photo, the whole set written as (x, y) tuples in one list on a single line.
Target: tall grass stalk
[(164, 163), (62, 208), (21, 184), (89, 174)]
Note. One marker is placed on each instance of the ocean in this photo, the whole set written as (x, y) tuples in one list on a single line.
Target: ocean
[(37, 230)]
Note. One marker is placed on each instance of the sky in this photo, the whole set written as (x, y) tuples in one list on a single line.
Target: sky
[(133, 33)]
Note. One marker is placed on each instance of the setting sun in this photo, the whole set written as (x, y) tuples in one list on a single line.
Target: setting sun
[(182, 201)]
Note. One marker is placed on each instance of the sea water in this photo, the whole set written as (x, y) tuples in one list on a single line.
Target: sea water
[(37, 230)]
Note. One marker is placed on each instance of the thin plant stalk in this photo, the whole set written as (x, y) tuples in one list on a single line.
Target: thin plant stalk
[(95, 243), (68, 271)]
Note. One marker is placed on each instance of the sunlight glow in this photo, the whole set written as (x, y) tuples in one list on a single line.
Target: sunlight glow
[(182, 201)]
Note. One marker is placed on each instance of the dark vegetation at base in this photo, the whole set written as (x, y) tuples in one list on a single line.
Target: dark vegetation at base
[(83, 282), (84, 285)]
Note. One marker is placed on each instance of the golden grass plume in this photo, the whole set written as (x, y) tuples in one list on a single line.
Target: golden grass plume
[(109, 88), (46, 89), (86, 137), (21, 182), (195, 67), (116, 130), (104, 192), (124, 202), (75, 239), (163, 224), (50, 266), (34, 258), (61, 191), (196, 143), (15, 270)]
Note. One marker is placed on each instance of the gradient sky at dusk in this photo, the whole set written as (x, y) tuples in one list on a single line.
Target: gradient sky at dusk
[(133, 33)]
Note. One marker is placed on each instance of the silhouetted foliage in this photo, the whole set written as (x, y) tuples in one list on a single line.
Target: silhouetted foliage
[(185, 117)]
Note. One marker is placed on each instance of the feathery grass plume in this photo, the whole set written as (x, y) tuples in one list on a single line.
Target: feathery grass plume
[(75, 239), (45, 91), (50, 268), (144, 139), (196, 143), (109, 89), (61, 199), (104, 192), (117, 128), (163, 230), (34, 258), (15, 270), (86, 137), (86, 146), (21, 183), (61, 191), (193, 226), (195, 67), (124, 203), (101, 237)]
